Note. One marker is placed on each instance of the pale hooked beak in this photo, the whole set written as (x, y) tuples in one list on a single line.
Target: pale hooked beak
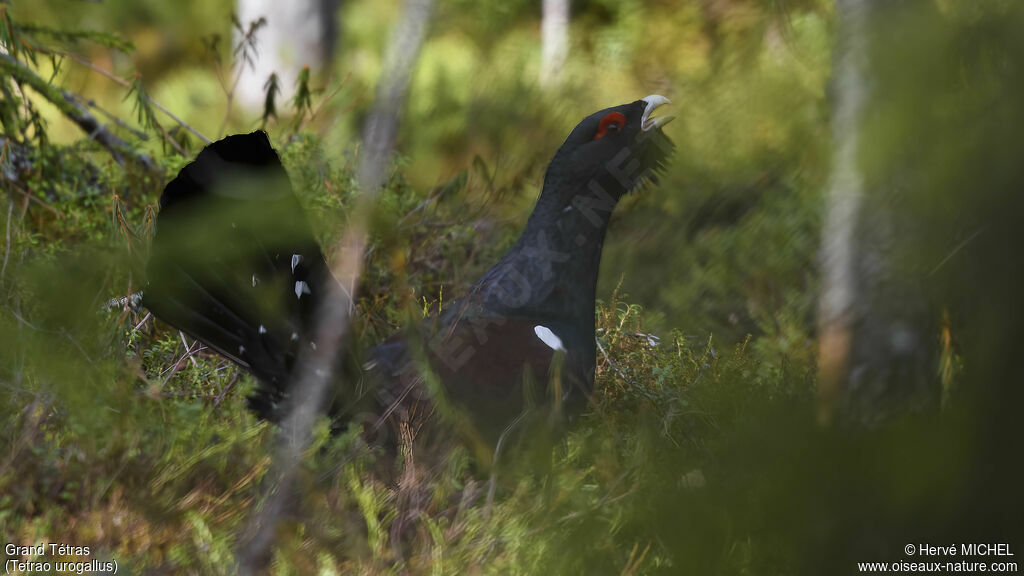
[(653, 102)]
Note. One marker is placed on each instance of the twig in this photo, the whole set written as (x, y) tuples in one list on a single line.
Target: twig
[(187, 347), (324, 102), (492, 482), (7, 244), (224, 391), (434, 195), (29, 324), (63, 332), (954, 252), (173, 367), (121, 123), (651, 340), (144, 318), (29, 197), (605, 500), (127, 84), (612, 364), (174, 143), (230, 93), (244, 51), (633, 564), (32, 417)]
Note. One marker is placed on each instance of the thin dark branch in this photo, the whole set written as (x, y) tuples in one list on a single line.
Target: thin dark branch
[(226, 389), (121, 123), (956, 250), (7, 244), (29, 197), (128, 84), (188, 347), (612, 364), (143, 321)]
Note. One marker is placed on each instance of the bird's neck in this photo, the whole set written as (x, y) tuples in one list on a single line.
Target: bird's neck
[(551, 271)]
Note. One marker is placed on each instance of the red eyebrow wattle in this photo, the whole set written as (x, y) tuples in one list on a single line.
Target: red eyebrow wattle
[(606, 122)]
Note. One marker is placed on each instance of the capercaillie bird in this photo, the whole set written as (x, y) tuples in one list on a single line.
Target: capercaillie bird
[(234, 264)]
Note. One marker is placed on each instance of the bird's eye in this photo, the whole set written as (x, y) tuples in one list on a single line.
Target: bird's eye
[(612, 122)]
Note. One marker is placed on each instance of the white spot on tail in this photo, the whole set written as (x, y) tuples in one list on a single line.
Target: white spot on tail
[(301, 288), (296, 260), (548, 337), (241, 350), (254, 280), (295, 336), (263, 329), (312, 345)]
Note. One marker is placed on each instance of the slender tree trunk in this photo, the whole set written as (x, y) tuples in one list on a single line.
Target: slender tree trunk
[(314, 371), (876, 358), (844, 199), (554, 32), (330, 32)]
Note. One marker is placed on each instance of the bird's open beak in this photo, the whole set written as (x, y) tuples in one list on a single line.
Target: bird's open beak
[(653, 102)]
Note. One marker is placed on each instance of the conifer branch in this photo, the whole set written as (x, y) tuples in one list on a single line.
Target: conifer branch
[(76, 111)]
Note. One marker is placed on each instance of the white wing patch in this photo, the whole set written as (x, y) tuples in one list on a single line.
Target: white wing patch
[(548, 337), (296, 260)]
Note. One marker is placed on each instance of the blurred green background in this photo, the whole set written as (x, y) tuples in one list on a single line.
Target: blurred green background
[(747, 80), (702, 455)]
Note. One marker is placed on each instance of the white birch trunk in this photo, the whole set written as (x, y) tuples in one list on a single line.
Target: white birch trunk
[(877, 329), (843, 206), (554, 33)]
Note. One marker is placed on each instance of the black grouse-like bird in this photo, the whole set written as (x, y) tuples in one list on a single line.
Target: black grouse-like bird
[(234, 264)]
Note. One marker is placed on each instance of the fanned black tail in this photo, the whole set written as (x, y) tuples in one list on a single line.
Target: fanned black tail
[(235, 264)]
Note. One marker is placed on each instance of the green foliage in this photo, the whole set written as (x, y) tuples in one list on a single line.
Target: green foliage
[(127, 427), (699, 454), (75, 37), (302, 102), (273, 90), (113, 416), (141, 105)]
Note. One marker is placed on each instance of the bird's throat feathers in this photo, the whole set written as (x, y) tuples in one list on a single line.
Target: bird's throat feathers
[(552, 269)]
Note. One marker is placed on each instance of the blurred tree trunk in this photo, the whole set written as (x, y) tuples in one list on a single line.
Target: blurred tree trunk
[(554, 33), (877, 357), (315, 370), (298, 33), (330, 32)]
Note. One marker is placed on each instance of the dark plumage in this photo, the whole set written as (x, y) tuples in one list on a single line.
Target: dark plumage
[(522, 336), (234, 263)]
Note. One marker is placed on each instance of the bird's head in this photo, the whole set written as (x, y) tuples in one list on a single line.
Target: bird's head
[(613, 151), (551, 271)]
